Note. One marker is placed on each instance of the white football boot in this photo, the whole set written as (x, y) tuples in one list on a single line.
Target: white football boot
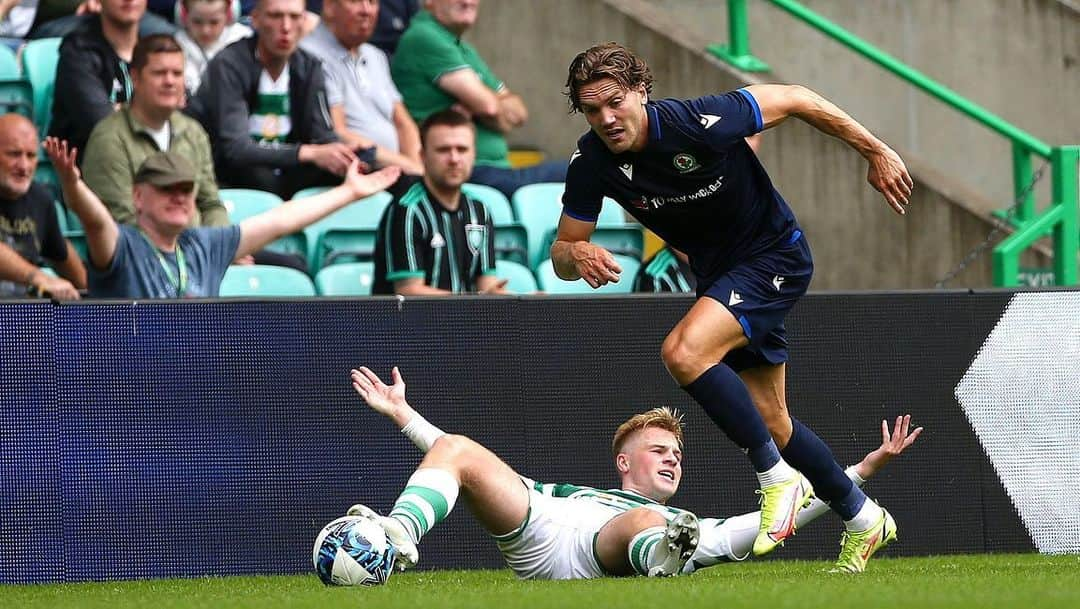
[(678, 545), (408, 554)]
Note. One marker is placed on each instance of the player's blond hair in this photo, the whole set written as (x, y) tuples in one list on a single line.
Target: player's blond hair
[(661, 417)]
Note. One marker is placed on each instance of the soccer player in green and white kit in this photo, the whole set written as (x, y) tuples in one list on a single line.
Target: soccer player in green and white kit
[(562, 531)]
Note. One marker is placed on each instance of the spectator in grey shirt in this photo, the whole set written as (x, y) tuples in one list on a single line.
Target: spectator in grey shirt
[(365, 106)]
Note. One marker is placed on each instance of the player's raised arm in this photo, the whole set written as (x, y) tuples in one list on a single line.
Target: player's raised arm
[(389, 401), (887, 173)]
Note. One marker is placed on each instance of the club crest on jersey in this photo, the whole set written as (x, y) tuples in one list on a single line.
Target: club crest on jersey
[(475, 235), (685, 163)]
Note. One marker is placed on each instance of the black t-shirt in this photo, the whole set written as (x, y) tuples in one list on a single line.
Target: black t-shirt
[(30, 226)]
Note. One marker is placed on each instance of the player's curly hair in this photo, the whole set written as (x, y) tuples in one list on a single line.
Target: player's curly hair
[(662, 417), (608, 60)]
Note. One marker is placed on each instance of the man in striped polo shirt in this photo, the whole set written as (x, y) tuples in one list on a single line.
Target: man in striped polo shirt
[(434, 238), (564, 531)]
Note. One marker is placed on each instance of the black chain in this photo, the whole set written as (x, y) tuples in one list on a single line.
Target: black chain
[(999, 227)]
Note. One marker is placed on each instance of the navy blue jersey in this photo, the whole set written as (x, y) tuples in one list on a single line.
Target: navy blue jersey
[(697, 184)]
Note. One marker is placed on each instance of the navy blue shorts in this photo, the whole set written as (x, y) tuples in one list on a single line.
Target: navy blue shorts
[(759, 293)]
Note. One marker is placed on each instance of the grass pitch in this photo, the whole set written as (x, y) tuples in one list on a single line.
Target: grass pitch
[(983, 581)]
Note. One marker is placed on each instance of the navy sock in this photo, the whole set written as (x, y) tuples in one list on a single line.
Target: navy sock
[(807, 453), (727, 402)]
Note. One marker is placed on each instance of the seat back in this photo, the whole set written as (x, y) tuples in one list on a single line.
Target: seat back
[(347, 235), (497, 205), (511, 238), (346, 279), (243, 203), (262, 280), (551, 283), (39, 59), (521, 279), (538, 207)]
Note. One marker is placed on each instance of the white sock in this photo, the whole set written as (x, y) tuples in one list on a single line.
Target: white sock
[(781, 472), (867, 517), (422, 433)]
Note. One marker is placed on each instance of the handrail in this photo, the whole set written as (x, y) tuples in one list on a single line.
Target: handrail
[(1030, 225)]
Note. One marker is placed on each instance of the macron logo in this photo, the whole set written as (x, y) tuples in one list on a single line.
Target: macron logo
[(708, 120), (574, 156), (777, 281), (734, 299), (628, 170)]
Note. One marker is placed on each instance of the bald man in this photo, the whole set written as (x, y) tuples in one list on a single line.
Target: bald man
[(30, 234)]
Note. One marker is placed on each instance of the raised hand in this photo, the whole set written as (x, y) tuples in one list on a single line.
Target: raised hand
[(365, 185), (892, 445), (63, 158), (382, 398)]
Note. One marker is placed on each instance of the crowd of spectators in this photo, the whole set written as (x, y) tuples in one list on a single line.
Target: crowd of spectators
[(275, 95)]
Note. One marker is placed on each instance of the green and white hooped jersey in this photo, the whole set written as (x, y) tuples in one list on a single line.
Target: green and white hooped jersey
[(616, 501), (557, 540), (270, 120)]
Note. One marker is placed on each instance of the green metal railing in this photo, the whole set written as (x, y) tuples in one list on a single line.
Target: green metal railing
[(1058, 219)]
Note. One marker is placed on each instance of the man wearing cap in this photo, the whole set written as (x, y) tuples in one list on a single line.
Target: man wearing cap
[(160, 256)]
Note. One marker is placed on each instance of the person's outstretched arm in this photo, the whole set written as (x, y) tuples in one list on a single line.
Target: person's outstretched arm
[(101, 230), (290, 217), (389, 401), (732, 539), (887, 174)]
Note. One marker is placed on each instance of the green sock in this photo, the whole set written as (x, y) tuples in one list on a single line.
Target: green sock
[(642, 549), (427, 499)]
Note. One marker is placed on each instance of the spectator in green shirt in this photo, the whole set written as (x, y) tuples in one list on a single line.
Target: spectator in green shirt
[(435, 70)]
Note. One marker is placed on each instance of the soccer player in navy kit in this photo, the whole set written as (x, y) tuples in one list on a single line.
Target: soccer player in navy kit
[(683, 169)]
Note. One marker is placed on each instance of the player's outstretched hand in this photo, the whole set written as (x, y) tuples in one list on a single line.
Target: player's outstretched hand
[(384, 399), (595, 264), (890, 177), (892, 445)]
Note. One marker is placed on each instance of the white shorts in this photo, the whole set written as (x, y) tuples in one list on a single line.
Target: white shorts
[(557, 539)]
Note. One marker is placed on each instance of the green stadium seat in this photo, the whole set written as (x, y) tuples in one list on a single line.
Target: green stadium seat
[(347, 235), (9, 64), (46, 174), (39, 59), (61, 216), (538, 207), (511, 238), (495, 202), (243, 203), (262, 280), (521, 279), (551, 283), (346, 279), (15, 92), (78, 241)]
